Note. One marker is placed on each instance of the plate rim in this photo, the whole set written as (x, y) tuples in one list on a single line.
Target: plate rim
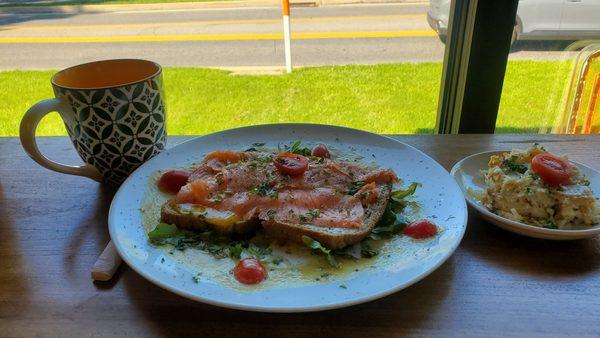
[(566, 234), (289, 309)]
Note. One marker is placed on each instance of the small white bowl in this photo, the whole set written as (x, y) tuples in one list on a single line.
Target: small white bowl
[(468, 174)]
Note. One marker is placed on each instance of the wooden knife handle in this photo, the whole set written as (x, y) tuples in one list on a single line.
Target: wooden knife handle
[(106, 265)]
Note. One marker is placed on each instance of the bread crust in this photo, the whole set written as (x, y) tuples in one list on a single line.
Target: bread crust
[(169, 215)]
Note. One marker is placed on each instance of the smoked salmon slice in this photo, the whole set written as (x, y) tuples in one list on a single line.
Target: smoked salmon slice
[(249, 185)]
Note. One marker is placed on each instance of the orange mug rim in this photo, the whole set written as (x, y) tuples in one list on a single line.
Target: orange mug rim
[(156, 73)]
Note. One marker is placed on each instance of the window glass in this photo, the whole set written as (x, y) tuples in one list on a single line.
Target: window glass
[(552, 78), (373, 66)]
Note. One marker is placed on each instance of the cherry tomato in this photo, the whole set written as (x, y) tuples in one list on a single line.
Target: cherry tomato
[(552, 170), (173, 180), (249, 271), (320, 150), (420, 229), (291, 164)]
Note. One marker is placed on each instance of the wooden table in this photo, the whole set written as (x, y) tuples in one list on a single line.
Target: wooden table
[(53, 227)]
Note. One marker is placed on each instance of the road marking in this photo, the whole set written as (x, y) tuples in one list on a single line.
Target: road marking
[(211, 23), (274, 6), (219, 37)]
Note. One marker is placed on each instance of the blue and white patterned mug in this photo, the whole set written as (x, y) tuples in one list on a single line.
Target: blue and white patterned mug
[(114, 113)]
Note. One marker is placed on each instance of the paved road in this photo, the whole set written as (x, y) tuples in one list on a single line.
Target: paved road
[(352, 34)]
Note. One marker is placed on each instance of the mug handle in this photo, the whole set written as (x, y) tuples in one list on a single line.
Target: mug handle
[(27, 130)]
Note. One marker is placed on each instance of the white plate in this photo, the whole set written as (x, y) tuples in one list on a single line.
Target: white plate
[(467, 173), (440, 198)]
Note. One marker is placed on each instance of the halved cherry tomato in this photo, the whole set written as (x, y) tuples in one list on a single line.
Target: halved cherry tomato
[(291, 164), (249, 271), (552, 170), (173, 180), (320, 150), (420, 229)]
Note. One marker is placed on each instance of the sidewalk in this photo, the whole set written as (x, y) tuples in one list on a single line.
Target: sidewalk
[(80, 9)]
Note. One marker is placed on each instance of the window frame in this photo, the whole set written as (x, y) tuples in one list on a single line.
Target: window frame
[(476, 55)]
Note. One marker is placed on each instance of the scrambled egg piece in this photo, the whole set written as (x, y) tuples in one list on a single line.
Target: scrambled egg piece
[(515, 192)]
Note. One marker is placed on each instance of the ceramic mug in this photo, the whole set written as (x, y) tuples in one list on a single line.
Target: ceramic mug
[(114, 113)]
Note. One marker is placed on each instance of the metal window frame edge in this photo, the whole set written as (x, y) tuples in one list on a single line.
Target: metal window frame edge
[(475, 60), (456, 63)]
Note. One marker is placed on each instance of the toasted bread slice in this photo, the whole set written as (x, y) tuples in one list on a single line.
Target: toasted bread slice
[(332, 238), (169, 214)]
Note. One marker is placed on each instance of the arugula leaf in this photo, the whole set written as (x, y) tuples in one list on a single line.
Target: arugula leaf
[(403, 193), (351, 251), (311, 243), (316, 246), (216, 245), (258, 252), (332, 261), (235, 251), (367, 251), (163, 230), (296, 149)]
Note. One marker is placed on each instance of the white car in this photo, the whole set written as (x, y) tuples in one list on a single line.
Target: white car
[(537, 19)]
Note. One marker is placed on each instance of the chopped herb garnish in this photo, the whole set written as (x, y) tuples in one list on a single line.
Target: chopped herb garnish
[(196, 278), (585, 182), (354, 187), (310, 215), (266, 189), (219, 178), (551, 223), (342, 286), (516, 167), (271, 213)]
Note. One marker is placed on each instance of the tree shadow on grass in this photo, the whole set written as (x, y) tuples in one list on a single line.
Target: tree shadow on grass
[(499, 130), (541, 45), (8, 20), (40, 10)]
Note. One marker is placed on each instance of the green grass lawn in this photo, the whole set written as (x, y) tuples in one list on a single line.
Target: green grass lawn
[(398, 98)]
